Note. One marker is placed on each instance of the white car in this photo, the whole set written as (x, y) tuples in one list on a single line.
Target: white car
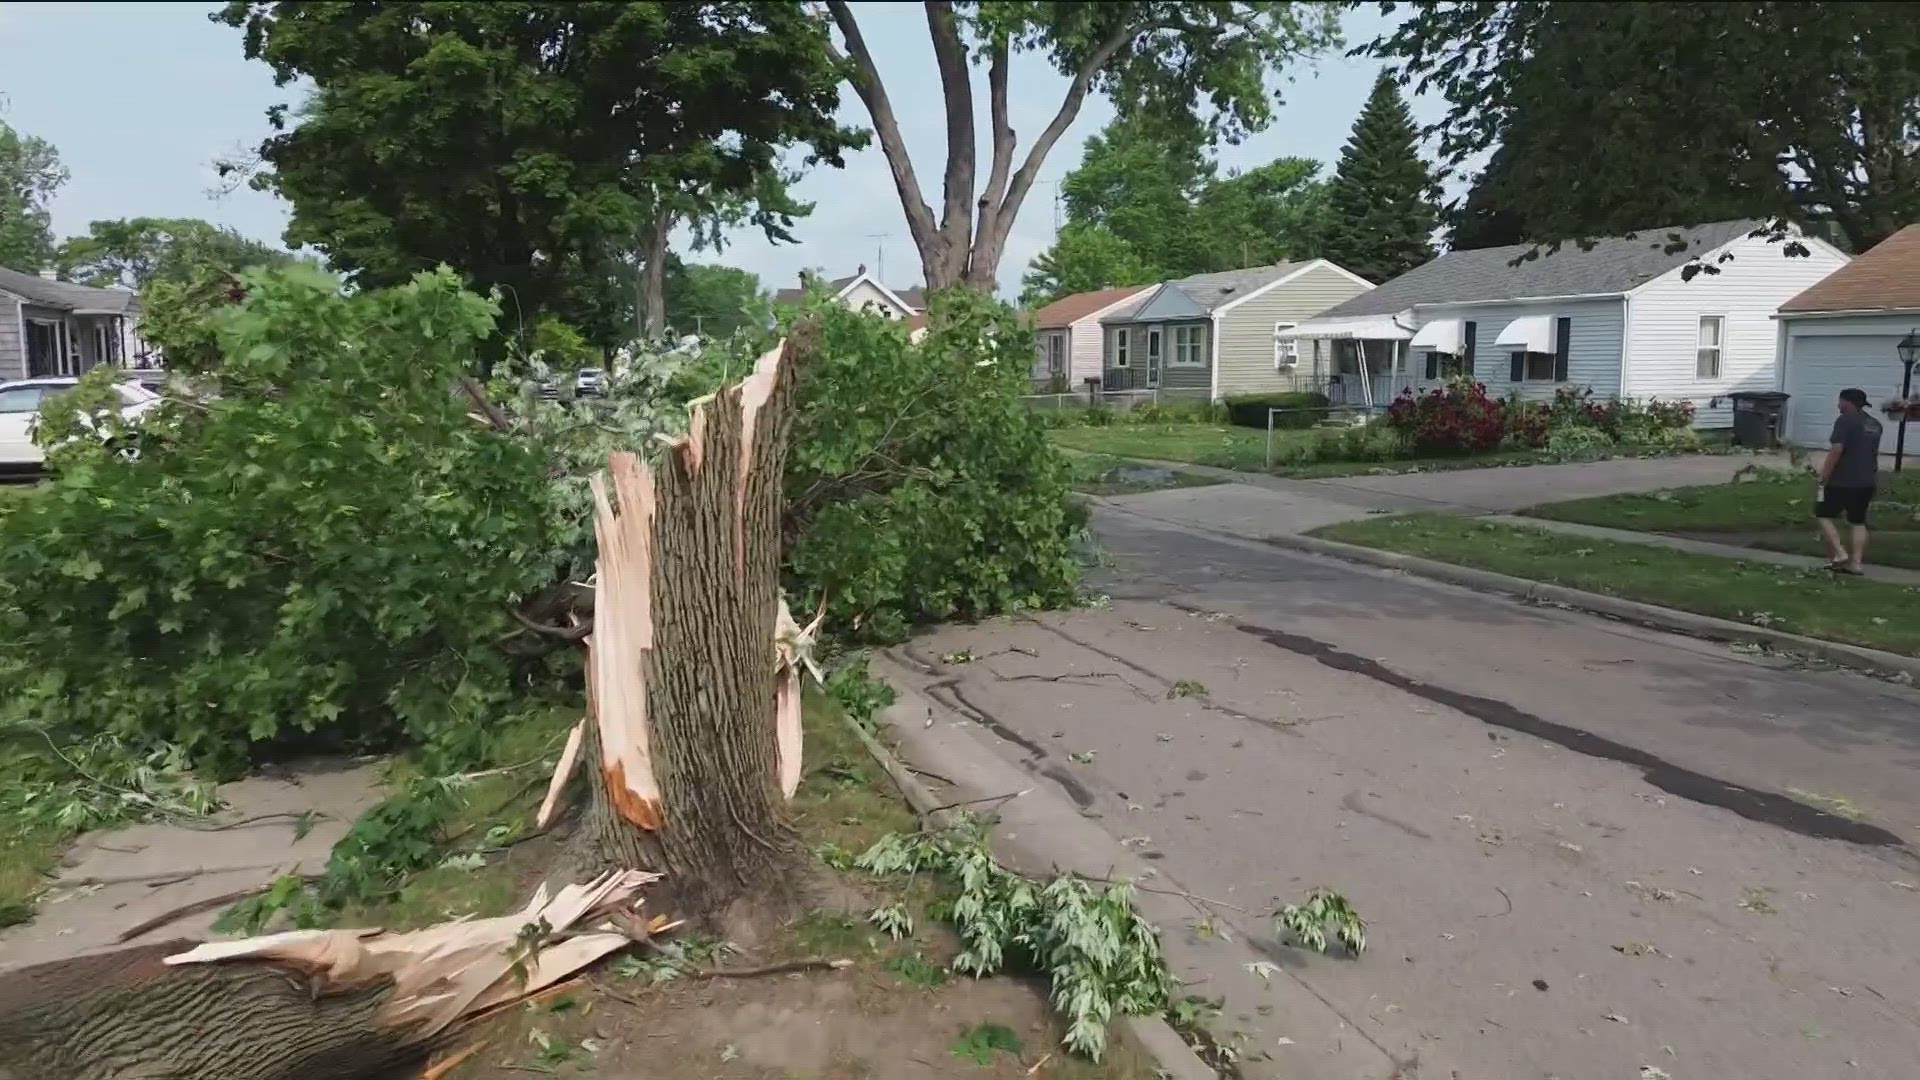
[(20, 403)]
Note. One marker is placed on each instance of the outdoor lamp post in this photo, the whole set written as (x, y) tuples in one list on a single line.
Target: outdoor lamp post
[(1908, 348)]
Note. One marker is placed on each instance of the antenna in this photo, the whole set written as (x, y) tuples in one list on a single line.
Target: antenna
[(880, 255)]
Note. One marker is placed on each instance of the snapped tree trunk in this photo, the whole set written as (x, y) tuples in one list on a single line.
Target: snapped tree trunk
[(682, 753)]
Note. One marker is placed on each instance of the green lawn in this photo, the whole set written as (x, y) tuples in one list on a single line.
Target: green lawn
[(1202, 444), (1810, 602), (1104, 474), (1773, 511)]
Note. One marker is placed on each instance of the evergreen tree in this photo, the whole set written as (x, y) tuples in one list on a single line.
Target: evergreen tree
[(1383, 211)]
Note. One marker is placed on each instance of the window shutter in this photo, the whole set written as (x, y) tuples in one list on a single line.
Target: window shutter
[(1472, 335), (1562, 330), (1433, 365), (1517, 367)]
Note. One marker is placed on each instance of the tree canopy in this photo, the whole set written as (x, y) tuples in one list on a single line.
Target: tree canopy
[(137, 252), (1382, 208), (1804, 112), (30, 172), (1217, 61), (525, 143), (703, 298), (1148, 203)]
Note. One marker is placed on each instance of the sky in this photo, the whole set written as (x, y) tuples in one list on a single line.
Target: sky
[(163, 92)]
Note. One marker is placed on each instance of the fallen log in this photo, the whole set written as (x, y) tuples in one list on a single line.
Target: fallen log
[(303, 1005)]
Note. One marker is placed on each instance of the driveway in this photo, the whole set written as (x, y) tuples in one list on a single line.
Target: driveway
[(1584, 849), (1258, 506)]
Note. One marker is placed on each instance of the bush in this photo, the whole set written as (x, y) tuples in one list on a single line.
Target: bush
[(1623, 421), (919, 486), (1459, 417), (1671, 414), (1371, 442), (1572, 442), (1527, 424), (325, 549), (1250, 410), (1179, 412)]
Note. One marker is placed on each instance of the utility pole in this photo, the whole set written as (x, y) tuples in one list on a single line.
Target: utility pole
[(879, 255)]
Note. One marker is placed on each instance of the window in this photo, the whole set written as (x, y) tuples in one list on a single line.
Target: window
[(1286, 351), (1189, 346), (21, 399), (1120, 337), (1713, 330)]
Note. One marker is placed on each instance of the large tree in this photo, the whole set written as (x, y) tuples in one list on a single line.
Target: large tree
[(1382, 206), (136, 252), (1146, 203), (1084, 258), (1216, 60), (1621, 116), (702, 298), (30, 172), (525, 144)]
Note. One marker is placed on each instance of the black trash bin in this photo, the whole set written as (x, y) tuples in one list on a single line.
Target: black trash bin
[(1756, 418)]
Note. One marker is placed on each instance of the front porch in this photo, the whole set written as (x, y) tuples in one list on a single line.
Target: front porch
[(1360, 363), (70, 342)]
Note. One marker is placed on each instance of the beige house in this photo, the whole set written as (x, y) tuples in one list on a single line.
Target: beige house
[(1220, 335)]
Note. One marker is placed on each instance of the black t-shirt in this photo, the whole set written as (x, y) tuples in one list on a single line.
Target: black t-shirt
[(1857, 434)]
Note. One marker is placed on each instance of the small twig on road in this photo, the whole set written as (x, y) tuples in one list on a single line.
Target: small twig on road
[(976, 802), (196, 908), (1080, 676), (928, 774), (313, 815), (1182, 893), (1503, 896)]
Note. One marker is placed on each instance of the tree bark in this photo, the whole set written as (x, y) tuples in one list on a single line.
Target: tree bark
[(966, 245), (125, 1016), (653, 277), (704, 659)]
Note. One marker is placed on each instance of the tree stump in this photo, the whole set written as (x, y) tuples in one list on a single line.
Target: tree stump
[(681, 755)]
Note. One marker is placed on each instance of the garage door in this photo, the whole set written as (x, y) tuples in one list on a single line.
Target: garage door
[(1818, 368)]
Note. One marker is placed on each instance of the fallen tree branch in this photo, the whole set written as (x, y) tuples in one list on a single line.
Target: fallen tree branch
[(975, 802), (561, 633), (195, 908), (313, 815)]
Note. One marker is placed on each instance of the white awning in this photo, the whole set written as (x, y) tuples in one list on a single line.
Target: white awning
[(1367, 327), (1533, 333), (1440, 335)]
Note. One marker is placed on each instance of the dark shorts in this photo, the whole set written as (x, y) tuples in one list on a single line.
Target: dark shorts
[(1851, 501)]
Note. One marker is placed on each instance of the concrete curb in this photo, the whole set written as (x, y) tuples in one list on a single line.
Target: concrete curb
[(1888, 665), (1154, 1035)]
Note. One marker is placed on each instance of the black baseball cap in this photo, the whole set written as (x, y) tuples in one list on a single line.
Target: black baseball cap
[(1855, 396)]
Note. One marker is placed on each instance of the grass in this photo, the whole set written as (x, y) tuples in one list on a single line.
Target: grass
[(1772, 511), (1809, 602), (1220, 445), (1104, 474)]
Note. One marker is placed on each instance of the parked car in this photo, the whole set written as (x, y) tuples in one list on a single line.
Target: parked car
[(20, 404), (591, 380)]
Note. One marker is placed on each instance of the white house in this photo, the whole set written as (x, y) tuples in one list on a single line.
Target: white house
[(1676, 314), (862, 291), (1843, 332), (1069, 335)]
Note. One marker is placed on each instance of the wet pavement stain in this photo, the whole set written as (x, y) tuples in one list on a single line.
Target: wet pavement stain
[(1036, 759), (1767, 807)]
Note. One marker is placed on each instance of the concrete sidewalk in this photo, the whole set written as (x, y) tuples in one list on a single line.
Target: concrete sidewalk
[(1893, 575)]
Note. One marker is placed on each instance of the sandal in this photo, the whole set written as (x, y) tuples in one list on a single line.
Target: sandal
[(1843, 568)]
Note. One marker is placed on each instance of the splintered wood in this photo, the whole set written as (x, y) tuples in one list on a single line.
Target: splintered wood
[(687, 565), (456, 972)]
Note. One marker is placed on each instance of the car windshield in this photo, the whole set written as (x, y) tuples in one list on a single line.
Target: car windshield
[(21, 399)]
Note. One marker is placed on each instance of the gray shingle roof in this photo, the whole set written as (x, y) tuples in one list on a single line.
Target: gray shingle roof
[(67, 296), (1206, 291), (915, 298), (1613, 265)]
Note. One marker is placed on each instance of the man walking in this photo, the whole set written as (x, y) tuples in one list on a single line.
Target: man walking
[(1847, 479)]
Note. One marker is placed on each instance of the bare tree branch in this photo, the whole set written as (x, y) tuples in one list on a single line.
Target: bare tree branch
[(1063, 119), (956, 87), (866, 82), (1003, 146)]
